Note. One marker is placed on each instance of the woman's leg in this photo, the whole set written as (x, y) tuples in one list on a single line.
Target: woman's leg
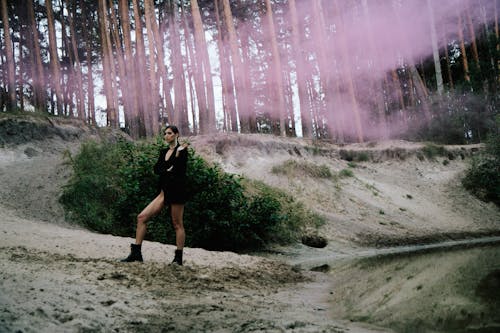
[(147, 213), (177, 212)]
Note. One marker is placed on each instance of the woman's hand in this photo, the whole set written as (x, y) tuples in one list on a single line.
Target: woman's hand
[(182, 147)]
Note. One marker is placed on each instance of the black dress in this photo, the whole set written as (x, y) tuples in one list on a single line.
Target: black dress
[(172, 175)]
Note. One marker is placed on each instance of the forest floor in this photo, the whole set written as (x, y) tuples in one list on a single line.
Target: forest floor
[(58, 277)]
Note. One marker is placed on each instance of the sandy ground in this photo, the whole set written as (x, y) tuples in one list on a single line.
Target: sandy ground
[(57, 277)]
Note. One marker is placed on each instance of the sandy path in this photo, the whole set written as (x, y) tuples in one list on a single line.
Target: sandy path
[(59, 279)]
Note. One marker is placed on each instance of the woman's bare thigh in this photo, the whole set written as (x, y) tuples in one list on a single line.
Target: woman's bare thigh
[(154, 207)]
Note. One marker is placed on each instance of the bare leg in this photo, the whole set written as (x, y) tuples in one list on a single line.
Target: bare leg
[(177, 212), (147, 213)]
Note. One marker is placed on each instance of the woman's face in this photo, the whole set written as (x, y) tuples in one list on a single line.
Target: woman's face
[(169, 135)]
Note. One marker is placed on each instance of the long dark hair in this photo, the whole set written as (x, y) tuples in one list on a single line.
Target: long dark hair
[(173, 128)]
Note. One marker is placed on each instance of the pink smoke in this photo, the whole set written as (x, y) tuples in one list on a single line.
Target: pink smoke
[(366, 43)]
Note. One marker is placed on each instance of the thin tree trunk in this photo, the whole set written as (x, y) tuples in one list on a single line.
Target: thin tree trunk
[(497, 34), (9, 53), (348, 75), (154, 103), (448, 63), (376, 89), (40, 75), (80, 95), (435, 50), (204, 66), (397, 84), (54, 59), (244, 109), (305, 112), (144, 91), (162, 69), (66, 67), (108, 67), (181, 106), (472, 34), (132, 84), (277, 83), (228, 102), (326, 106), (90, 80), (124, 81), (497, 29), (465, 62)]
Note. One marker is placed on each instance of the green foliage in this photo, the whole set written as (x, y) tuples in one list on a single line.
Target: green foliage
[(292, 168), (457, 118), (431, 151), (354, 156), (483, 177), (344, 173), (113, 182)]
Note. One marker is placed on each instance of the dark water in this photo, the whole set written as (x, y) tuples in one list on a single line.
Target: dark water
[(433, 289)]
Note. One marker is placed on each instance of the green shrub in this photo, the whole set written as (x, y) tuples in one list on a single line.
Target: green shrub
[(431, 151), (113, 182), (483, 177), (354, 155), (346, 173), (292, 167)]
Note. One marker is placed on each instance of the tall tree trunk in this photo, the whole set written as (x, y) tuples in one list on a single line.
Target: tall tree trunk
[(448, 63), (376, 88), (108, 67), (435, 50), (276, 78), (203, 60), (132, 84), (249, 94), (162, 69), (244, 109), (78, 70), (327, 109), (497, 34), (124, 81), (228, 101), (348, 76), (90, 80), (397, 85), (196, 74), (472, 35), (181, 106), (54, 59), (9, 53), (39, 84), (66, 67), (305, 112), (154, 103), (465, 62), (144, 91)]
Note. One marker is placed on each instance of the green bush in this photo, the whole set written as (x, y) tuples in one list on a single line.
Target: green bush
[(292, 168), (431, 151), (113, 182), (483, 177)]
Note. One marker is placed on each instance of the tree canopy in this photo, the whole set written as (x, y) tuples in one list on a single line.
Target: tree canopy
[(323, 69)]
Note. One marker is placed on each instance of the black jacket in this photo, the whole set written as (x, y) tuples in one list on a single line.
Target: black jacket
[(172, 175)]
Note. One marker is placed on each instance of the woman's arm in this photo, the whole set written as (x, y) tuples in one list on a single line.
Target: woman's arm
[(180, 161), (161, 165)]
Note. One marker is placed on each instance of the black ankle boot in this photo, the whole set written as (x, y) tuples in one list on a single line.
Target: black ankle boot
[(135, 253), (178, 258)]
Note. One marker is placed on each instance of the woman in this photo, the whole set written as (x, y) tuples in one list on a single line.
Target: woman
[(171, 167)]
